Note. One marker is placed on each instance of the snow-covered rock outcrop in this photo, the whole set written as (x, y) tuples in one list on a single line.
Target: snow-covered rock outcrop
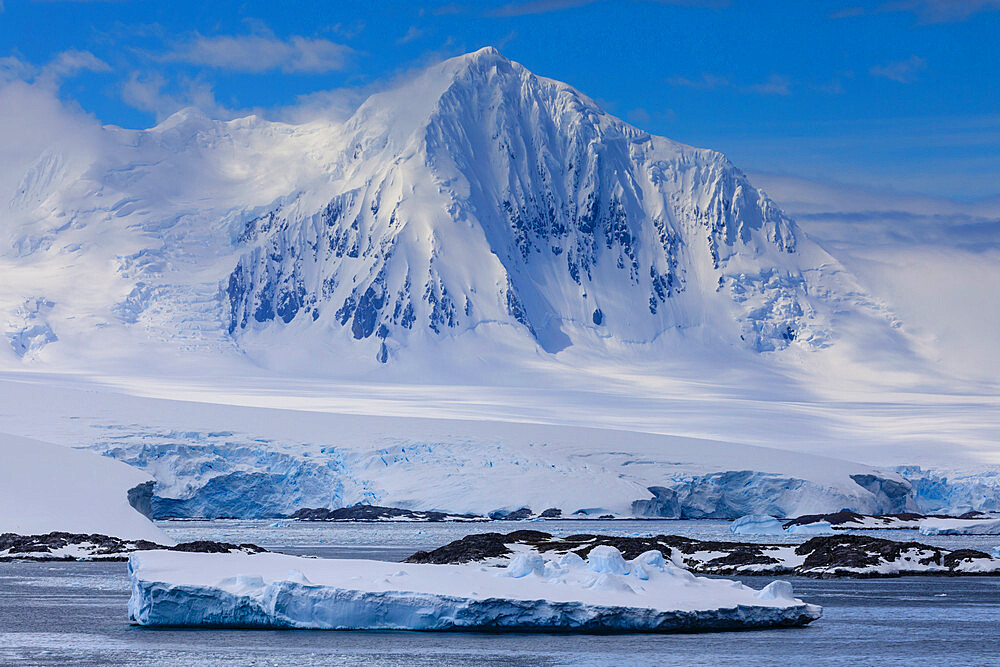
[(603, 594), (826, 556), (46, 488)]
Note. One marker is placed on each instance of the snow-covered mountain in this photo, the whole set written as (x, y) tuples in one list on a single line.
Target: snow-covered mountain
[(476, 197), (482, 195)]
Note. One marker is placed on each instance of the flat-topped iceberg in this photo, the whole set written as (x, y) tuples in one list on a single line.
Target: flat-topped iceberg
[(756, 524), (947, 526), (814, 528), (604, 593)]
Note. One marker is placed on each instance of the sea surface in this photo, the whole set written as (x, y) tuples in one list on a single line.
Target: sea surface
[(75, 613)]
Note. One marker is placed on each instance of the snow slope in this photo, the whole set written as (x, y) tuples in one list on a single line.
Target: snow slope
[(605, 593), (46, 488), (216, 460)]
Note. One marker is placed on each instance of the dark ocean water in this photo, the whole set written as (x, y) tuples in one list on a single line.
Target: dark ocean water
[(75, 613)]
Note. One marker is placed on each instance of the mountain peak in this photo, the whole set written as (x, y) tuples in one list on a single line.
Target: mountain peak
[(487, 52)]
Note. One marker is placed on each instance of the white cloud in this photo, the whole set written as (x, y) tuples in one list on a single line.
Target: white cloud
[(64, 65), (146, 93), (903, 71), (33, 120), (69, 63), (262, 53)]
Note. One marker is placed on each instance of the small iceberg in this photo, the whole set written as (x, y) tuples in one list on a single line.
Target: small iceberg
[(815, 528), (756, 524), (604, 593), (960, 527)]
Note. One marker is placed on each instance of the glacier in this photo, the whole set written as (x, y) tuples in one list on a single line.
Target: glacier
[(954, 490), (605, 593), (430, 465)]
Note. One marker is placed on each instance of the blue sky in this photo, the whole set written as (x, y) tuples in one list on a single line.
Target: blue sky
[(894, 96)]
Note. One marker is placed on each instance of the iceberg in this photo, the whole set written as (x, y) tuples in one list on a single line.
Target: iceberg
[(815, 528), (936, 526), (756, 524), (604, 593)]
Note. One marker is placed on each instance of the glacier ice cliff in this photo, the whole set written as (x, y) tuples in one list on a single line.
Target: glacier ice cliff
[(225, 474)]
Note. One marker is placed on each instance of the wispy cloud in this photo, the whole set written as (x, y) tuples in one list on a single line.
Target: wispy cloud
[(538, 7), (926, 11), (63, 66), (413, 33), (903, 71), (833, 87), (704, 82), (527, 7), (262, 53), (449, 8), (146, 92), (776, 84), (641, 117), (942, 11), (348, 30)]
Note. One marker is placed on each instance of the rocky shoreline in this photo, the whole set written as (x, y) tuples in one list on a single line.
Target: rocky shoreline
[(842, 520), (856, 556), (60, 546), (847, 520)]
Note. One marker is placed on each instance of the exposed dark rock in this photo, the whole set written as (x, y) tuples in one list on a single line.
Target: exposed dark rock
[(374, 513), (854, 551), (849, 519), (516, 515), (103, 547), (468, 549), (960, 555), (827, 556), (835, 518), (209, 547), (551, 513)]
